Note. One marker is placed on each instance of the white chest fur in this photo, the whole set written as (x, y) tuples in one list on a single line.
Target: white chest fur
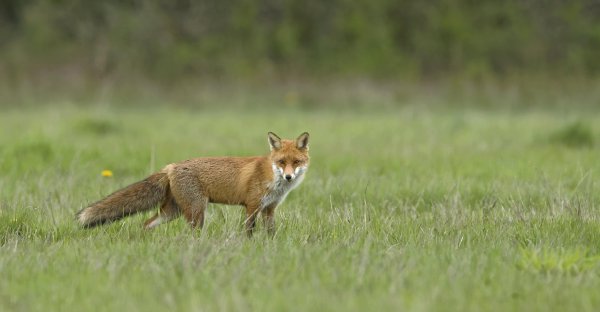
[(280, 188)]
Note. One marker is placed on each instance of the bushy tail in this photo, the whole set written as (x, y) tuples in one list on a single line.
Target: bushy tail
[(139, 196)]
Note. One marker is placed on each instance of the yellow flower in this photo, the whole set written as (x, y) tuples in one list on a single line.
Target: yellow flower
[(107, 173)]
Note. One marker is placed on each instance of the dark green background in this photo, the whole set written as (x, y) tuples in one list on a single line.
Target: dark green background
[(164, 40)]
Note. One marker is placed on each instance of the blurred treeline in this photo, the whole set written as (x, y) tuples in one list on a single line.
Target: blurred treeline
[(246, 38)]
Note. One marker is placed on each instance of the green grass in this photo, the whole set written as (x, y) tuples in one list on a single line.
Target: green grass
[(411, 209)]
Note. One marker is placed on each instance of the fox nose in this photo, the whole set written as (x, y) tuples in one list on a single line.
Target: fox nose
[(288, 177)]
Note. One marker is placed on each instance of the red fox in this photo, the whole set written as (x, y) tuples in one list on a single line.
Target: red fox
[(258, 183)]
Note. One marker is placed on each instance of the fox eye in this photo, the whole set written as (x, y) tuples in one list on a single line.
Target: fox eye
[(281, 162), (296, 162)]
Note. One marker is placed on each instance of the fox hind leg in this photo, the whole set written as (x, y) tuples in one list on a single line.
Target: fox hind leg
[(169, 210), (193, 211), (186, 190)]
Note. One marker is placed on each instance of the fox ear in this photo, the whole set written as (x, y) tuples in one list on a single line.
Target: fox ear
[(274, 141), (302, 141)]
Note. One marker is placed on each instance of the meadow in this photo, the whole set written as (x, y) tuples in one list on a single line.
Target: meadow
[(403, 209)]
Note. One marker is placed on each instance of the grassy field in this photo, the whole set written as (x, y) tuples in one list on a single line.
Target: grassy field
[(407, 209)]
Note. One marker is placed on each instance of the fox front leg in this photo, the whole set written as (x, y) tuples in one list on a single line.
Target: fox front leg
[(251, 212), (269, 219)]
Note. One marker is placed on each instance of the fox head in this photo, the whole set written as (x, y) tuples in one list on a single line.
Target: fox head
[(290, 157)]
